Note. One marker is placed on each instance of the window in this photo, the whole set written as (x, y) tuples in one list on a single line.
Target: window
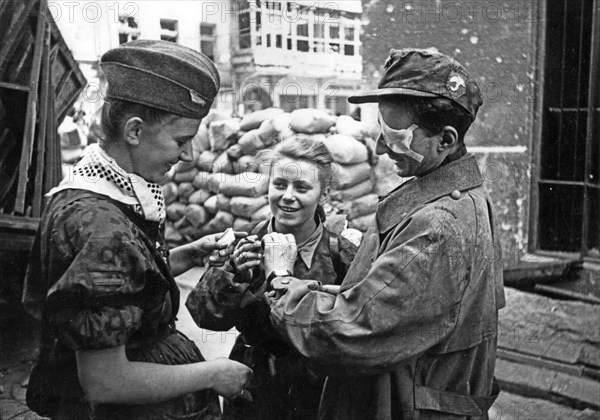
[(244, 27), (291, 102), (169, 30), (302, 42), (128, 29), (566, 216), (207, 40), (338, 105)]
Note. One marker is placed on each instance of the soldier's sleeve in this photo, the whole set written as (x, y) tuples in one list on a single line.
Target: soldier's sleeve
[(217, 301), (95, 304), (407, 303)]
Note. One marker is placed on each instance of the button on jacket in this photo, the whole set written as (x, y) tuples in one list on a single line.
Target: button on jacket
[(413, 333)]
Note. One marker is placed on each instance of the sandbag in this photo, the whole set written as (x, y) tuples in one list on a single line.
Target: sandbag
[(172, 235), (362, 223), (223, 164), (200, 181), (196, 215), (169, 192), (223, 203), (311, 121), (246, 164), (346, 150), (262, 214), (360, 206), (210, 204), (235, 152), (251, 143), (215, 115), (345, 176), (175, 211), (348, 126), (187, 176), (181, 224), (201, 142), (206, 160), (371, 129), (267, 132), (336, 223), (219, 223), (184, 190), (358, 190), (314, 137), (199, 197), (247, 184), (240, 222), (221, 133), (256, 118), (247, 206), (281, 122)]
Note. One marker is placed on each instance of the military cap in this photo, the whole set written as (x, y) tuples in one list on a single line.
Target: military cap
[(161, 75), (425, 73)]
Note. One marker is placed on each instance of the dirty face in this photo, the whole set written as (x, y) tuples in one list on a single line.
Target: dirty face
[(414, 151)]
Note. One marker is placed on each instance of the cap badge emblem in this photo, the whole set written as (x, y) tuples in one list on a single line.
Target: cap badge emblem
[(455, 82), (456, 85), (197, 99)]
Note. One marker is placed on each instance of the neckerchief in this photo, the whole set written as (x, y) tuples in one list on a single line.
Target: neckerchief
[(99, 173)]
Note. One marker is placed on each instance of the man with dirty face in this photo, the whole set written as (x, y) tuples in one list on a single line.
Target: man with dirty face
[(412, 332)]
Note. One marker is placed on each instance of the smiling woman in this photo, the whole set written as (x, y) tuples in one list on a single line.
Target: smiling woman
[(285, 387), (100, 267)]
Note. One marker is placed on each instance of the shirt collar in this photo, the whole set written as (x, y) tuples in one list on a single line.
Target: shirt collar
[(306, 249)]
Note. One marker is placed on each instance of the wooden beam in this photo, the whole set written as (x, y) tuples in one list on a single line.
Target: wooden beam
[(14, 86), (31, 113), (41, 135), (10, 43)]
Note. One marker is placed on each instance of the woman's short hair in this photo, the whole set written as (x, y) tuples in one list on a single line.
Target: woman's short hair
[(116, 112), (301, 147)]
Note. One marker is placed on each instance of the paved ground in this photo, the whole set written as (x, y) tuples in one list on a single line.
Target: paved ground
[(18, 348)]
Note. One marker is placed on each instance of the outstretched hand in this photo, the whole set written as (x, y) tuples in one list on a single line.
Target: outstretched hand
[(215, 249)]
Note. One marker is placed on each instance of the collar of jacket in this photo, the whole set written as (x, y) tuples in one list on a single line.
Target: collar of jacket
[(461, 174)]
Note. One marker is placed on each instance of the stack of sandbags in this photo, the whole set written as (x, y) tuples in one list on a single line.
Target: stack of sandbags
[(353, 182), (225, 185)]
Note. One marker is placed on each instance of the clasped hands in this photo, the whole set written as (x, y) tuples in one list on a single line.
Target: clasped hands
[(276, 251)]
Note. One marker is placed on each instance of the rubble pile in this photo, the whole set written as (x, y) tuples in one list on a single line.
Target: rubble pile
[(226, 186)]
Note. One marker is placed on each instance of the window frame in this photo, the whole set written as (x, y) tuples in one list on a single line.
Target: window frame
[(536, 181)]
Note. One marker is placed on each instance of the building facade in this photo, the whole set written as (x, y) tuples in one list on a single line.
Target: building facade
[(303, 54), (537, 134)]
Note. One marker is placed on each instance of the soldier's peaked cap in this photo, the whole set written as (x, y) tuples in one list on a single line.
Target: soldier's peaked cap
[(425, 73)]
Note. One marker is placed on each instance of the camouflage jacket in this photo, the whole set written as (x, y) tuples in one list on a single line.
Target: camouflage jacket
[(99, 278), (413, 333)]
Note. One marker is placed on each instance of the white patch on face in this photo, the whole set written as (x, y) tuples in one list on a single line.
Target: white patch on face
[(399, 141)]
